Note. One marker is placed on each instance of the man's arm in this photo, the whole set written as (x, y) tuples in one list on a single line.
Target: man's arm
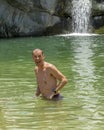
[(59, 76), (38, 92)]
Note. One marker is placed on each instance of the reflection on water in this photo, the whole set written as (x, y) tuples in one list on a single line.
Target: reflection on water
[(79, 58), (83, 62), (85, 69)]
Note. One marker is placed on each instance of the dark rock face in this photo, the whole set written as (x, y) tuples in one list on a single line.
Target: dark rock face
[(98, 16), (42, 17), (32, 17)]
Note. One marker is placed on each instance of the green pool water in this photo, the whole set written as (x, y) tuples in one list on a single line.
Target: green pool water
[(79, 58)]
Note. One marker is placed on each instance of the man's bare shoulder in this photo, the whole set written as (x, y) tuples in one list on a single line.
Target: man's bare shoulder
[(50, 66)]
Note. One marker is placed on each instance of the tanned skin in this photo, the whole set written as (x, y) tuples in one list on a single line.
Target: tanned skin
[(49, 79)]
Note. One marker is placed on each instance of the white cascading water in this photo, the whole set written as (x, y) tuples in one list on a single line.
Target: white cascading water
[(81, 10)]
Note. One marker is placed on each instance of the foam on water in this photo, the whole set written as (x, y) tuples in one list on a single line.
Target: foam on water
[(78, 34)]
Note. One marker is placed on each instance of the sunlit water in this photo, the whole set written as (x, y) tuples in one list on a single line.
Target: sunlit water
[(80, 58)]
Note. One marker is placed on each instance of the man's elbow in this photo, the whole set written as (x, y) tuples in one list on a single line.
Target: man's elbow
[(65, 80)]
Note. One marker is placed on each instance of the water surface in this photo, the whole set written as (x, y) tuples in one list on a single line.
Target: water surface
[(80, 58)]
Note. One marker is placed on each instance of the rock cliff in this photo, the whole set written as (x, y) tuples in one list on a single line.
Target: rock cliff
[(43, 17)]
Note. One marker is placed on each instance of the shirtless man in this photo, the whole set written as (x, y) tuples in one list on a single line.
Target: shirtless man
[(47, 76)]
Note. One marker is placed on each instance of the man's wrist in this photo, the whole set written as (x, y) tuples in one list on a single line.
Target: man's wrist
[(55, 91)]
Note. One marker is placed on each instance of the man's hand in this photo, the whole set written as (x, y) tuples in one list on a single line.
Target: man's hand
[(50, 96)]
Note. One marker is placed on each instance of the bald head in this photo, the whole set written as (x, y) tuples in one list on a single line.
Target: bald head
[(38, 56), (37, 51)]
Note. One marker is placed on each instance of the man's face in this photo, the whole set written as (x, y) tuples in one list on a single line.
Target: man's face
[(38, 57)]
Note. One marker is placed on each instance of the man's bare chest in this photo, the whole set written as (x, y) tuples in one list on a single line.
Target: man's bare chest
[(43, 76)]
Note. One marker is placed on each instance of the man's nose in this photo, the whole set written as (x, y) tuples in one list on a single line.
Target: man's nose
[(37, 58)]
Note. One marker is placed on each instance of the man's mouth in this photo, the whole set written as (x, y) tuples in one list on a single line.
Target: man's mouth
[(38, 62)]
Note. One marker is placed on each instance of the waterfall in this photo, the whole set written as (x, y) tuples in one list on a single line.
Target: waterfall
[(81, 10)]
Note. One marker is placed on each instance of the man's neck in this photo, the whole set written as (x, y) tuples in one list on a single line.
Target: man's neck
[(41, 66)]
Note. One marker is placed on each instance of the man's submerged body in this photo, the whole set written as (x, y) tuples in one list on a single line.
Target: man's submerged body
[(47, 76)]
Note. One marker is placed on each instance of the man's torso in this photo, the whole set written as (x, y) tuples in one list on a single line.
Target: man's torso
[(46, 81)]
